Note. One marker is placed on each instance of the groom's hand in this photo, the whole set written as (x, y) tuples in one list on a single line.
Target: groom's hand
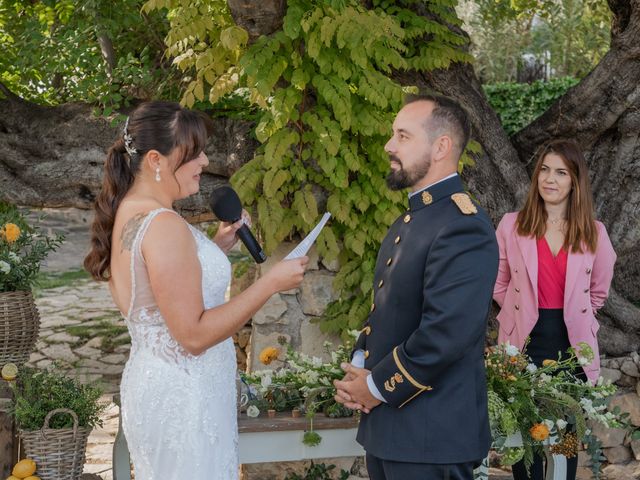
[(353, 392)]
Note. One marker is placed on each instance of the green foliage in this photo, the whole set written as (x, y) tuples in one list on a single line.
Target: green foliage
[(573, 34), (327, 105), (318, 471), (205, 44), (52, 52), (518, 104), (22, 249), (37, 392)]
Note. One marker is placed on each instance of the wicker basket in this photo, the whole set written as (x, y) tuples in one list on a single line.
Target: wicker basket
[(19, 326), (59, 453)]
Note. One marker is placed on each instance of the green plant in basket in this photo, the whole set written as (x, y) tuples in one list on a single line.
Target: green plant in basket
[(38, 392), (22, 249)]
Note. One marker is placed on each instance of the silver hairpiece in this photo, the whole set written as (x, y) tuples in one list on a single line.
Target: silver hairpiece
[(128, 140)]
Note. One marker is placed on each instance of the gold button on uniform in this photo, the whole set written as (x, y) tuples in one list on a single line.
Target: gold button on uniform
[(389, 261), (397, 240), (366, 354), (373, 307), (366, 330), (380, 283), (407, 218)]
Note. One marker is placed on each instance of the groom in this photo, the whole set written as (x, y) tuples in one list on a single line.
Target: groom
[(422, 390)]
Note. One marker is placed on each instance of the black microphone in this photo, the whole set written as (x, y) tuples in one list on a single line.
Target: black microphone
[(225, 204)]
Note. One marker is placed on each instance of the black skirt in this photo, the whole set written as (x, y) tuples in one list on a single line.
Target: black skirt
[(549, 338)]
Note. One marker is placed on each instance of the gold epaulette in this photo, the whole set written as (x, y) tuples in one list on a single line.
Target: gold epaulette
[(464, 203)]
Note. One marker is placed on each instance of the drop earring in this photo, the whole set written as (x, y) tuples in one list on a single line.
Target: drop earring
[(157, 174)]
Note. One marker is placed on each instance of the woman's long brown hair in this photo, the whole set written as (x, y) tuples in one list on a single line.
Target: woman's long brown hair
[(161, 126), (581, 226)]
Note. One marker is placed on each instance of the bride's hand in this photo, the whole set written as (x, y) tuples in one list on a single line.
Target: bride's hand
[(226, 236), (286, 274)]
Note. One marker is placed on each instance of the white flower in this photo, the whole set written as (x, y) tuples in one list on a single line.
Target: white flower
[(310, 377), (545, 378), (265, 381), (14, 258), (316, 362), (549, 424), (583, 361), (531, 368), (561, 424), (4, 267), (253, 411), (511, 399), (511, 350)]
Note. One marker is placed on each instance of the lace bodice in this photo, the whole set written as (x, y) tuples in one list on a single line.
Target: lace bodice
[(146, 325), (178, 409)]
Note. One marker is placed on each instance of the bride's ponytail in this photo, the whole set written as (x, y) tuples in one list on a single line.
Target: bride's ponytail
[(118, 178)]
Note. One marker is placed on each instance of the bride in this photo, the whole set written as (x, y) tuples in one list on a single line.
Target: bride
[(169, 281)]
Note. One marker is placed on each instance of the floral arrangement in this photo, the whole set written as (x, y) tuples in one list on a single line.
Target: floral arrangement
[(539, 403), (303, 383), (22, 249)]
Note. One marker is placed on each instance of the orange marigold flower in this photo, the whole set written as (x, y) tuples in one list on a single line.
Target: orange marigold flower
[(11, 232), (539, 432), (513, 359), (548, 362), (268, 355)]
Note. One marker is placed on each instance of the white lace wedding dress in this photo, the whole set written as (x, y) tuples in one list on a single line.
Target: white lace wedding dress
[(178, 410)]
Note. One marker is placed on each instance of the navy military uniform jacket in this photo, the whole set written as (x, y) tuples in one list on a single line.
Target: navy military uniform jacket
[(424, 338)]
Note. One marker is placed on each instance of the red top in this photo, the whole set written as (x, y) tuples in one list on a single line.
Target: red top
[(552, 272)]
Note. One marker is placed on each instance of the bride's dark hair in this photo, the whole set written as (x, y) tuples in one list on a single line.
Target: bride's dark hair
[(157, 125)]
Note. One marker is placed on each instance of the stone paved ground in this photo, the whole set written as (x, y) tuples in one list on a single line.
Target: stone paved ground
[(83, 333)]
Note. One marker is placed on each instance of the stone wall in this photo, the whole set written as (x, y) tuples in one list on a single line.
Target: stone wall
[(622, 453), (291, 314)]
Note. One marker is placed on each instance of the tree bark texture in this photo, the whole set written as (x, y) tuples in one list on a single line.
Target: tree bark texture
[(54, 156)]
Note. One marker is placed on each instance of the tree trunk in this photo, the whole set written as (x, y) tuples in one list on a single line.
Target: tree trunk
[(53, 156)]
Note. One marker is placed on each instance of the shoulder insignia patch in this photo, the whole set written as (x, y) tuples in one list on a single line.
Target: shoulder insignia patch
[(464, 203)]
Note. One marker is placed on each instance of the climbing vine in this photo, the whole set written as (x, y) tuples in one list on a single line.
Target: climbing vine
[(327, 98)]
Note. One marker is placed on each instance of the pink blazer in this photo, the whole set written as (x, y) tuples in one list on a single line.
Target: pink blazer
[(516, 291)]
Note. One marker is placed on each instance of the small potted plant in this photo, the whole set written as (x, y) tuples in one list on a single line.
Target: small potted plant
[(55, 415), (22, 250)]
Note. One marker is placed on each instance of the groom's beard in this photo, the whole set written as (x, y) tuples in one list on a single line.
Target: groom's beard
[(406, 178)]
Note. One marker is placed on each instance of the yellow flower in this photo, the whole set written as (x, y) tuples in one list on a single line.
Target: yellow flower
[(11, 232), (512, 378), (268, 355), (539, 432), (548, 363)]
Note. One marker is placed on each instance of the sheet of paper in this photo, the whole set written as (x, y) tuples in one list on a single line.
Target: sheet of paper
[(303, 247)]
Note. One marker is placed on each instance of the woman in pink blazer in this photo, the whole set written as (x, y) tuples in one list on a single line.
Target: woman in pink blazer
[(556, 266)]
